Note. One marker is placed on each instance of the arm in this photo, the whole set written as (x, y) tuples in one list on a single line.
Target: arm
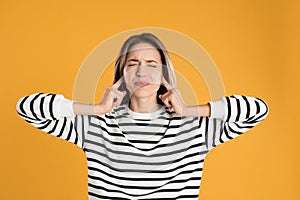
[(198, 110), (232, 116), (52, 113), (61, 117), (89, 109)]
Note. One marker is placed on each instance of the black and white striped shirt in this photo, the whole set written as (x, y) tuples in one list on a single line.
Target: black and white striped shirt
[(131, 155)]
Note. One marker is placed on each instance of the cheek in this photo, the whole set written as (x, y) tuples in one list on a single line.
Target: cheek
[(128, 78), (155, 76)]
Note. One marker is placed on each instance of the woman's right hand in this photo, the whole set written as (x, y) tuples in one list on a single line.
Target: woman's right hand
[(112, 98)]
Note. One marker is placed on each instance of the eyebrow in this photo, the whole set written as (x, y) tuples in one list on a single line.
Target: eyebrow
[(136, 60)]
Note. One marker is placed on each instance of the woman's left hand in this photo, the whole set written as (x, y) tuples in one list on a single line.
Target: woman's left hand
[(173, 99)]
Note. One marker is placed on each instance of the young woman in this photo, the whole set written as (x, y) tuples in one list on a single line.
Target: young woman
[(142, 141)]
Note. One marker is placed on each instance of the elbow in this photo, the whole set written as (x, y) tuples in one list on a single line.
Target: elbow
[(19, 106), (264, 108)]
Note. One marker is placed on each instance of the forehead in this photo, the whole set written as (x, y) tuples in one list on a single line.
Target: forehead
[(143, 50)]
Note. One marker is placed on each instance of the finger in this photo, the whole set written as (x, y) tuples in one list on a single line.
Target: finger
[(115, 104), (108, 93), (170, 100), (117, 84), (177, 108), (124, 93), (167, 103), (165, 99), (166, 84), (118, 97)]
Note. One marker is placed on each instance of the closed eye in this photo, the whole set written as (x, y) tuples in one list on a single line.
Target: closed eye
[(152, 66), (131, 65)]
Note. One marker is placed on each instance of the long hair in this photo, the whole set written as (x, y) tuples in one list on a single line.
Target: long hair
[(167, 69)]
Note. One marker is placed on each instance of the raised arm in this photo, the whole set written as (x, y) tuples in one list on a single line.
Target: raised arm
[(231, 116), (64, 118), (53, 113)]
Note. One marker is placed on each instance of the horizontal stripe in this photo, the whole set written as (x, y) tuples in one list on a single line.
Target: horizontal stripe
[(155, 155), (112, 143), (144, 163), (173, 190), (152, 187), (137, 170), (92, 170)]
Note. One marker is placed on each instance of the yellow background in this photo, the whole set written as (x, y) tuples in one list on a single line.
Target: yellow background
[(254, 43)]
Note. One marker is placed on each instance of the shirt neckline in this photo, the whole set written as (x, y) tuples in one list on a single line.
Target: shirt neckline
[(144, 116), (136, 116)]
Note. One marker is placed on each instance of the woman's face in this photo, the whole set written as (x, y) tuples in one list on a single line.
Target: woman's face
[(143, 70)]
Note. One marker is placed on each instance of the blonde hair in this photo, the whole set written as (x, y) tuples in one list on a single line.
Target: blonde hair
[(167, 69)]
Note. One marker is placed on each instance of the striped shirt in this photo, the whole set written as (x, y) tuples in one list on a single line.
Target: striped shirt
[(130, 155)]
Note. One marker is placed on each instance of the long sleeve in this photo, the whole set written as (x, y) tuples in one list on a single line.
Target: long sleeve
[(232, 116), (53, 113)]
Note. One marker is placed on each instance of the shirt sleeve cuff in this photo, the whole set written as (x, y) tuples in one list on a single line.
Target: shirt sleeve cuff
[(218, 109), (65, 108)]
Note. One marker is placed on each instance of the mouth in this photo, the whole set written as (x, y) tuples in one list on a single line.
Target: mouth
[(141, 83)]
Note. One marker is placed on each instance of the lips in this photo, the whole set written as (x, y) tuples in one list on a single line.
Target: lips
[(141, 83)]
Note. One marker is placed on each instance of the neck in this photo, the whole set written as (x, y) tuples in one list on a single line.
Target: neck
[(144, 105)]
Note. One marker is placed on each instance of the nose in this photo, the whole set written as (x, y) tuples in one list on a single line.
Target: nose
[(141, 70)]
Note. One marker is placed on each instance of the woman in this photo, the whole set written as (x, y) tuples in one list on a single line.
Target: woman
[(142, 141)]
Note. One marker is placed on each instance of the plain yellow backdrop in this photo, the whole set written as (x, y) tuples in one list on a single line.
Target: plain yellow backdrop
[(254, 43)]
